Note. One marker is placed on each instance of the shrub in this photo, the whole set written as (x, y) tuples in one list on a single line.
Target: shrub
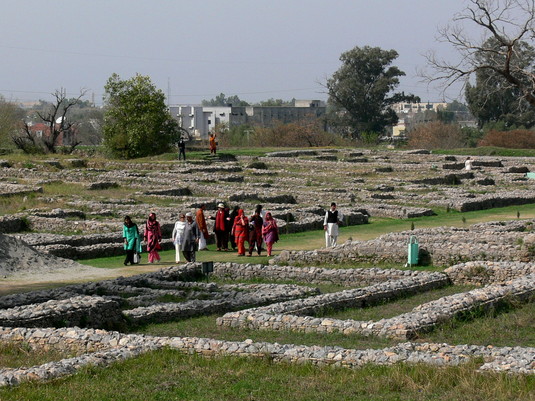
[(517, 139), (436, 135)]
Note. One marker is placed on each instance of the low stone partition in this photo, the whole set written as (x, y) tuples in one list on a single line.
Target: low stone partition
[(91, 303), (471, 202), (7, 189), (104, 348), (313, 275), (504, 241), (482, 273), (249, 295), (289, 315), (448, 179), (396, 211), (12, 224), (292, 153), (84, 311)]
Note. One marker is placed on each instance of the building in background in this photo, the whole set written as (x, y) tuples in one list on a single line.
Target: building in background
[(200, 121)]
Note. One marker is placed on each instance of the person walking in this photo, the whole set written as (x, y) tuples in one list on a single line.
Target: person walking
[(233, 216), (330, 225), (468, 164), (201, 223), (255, 233), (132, 240), (270, 232), (153, 237), (182, 149), (240, 230), (213, 144), (178, 235), (190, 239), (222, 219)]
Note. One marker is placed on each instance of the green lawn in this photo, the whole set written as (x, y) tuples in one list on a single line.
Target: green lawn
[(171, 375)]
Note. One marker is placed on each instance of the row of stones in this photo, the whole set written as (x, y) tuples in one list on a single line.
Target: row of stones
[(510, 241), (104, 348), (67, 306), (286, 316)]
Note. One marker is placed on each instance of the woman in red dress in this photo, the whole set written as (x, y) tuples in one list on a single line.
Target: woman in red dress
[(240, 230)]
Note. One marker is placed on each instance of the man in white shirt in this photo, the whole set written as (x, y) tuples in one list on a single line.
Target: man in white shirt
[(330, 225)]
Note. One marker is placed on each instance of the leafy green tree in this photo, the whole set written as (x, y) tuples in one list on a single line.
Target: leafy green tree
[(492, 99), (360, 92), (222, 100), (136, 120)]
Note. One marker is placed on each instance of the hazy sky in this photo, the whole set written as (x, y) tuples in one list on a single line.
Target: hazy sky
[(196, 49)]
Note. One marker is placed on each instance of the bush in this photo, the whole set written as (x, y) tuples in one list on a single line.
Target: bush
[(517, 139), (435, 135)]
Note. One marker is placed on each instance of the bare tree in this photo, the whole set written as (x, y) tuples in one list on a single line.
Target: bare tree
[(57, 126), (508, 27)]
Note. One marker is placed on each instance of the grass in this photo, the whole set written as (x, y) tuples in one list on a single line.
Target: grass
[(390, 309), (21, 354), (171, 375), (488, 151), (509, 327)]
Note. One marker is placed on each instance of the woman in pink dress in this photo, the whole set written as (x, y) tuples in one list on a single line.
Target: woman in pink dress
[(270, 231), (153, 236)]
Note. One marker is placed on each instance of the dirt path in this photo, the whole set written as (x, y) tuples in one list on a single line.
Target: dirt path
[(31, 281)]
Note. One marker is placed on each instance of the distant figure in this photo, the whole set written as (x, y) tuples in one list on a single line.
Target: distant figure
[(213, 144), (203, 228), (182, 149), (190, 239), (153, 236), (330, 224), (468, 164), (270, 232), (240, 230), (132, 240), (178, 235)]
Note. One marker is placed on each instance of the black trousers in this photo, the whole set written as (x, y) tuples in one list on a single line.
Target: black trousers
[(189, 256), (129, 256), (221, 237)]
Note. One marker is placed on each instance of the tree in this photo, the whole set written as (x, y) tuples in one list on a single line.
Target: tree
[(276, 103), (222, 100), (58, 129), (360, 91), (492, 99), (510, 24), (10, 116), (136, 120)]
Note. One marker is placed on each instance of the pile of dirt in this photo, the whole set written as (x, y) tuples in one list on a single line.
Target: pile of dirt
[(18, 258)]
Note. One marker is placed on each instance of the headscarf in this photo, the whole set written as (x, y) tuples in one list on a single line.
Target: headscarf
[(130, 220), (152, 223), (269, 219)]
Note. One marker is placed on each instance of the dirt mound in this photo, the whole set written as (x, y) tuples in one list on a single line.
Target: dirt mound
[(17, 257)]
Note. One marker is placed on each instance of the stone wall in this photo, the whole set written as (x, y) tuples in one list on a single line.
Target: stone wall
[(482, 273), (502, 241), (289, 315), (83, 311)]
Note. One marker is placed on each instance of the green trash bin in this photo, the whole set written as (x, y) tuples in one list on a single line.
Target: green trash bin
[(412, 251)]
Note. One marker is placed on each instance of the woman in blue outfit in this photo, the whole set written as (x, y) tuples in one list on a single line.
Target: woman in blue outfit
[(132, 240)]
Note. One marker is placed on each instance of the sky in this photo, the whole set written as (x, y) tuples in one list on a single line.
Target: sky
[(195, 49)]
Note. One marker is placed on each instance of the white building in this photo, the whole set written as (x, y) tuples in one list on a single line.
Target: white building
[(200, 121)]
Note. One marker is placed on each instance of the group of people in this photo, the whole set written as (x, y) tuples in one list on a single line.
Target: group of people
[(191, 234)]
